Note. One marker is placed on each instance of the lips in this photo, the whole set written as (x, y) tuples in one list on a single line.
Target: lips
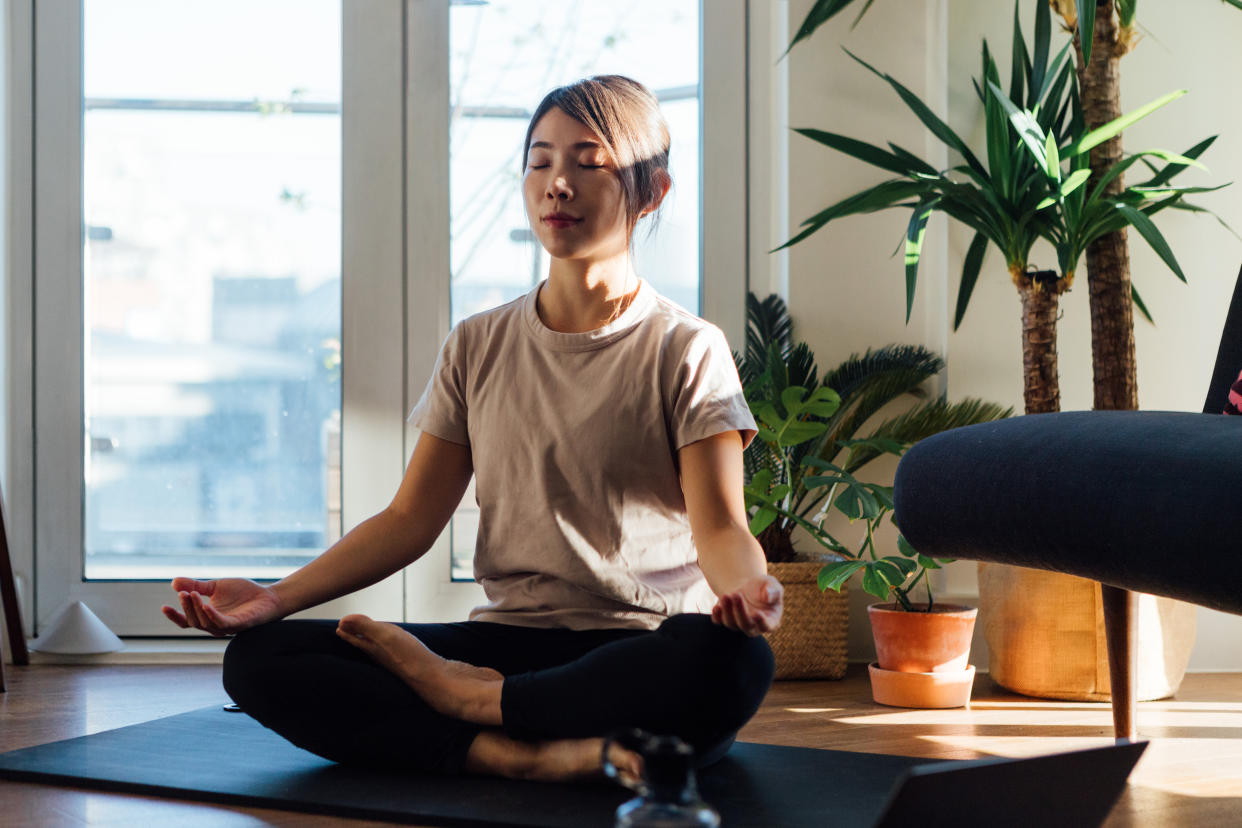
[(560, 220)]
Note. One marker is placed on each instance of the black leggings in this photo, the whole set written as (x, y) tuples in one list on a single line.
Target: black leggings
[(690, 678)]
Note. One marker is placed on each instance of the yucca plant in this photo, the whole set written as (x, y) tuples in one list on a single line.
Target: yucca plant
[(809, 450), (1021, 194), (1101, 33)]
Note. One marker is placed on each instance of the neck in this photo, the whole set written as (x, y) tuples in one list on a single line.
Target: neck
[(584, 296)]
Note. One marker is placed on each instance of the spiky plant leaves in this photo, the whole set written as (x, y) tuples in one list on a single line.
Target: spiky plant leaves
[(922, 421)]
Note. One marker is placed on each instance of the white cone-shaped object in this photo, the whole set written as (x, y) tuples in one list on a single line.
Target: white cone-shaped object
[(77, 631)]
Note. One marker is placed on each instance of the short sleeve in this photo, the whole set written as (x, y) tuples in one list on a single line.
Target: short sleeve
[(442, 408), (708, 399)]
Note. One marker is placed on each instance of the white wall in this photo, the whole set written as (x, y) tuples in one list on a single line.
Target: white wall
[(847, 293)]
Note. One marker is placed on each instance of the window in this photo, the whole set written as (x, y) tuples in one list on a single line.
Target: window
[(249, 249)]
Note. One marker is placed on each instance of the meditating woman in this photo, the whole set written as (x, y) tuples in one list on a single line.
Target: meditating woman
[(604, 426)]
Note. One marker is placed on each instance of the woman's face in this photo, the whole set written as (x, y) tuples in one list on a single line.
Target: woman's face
[(568, 171)]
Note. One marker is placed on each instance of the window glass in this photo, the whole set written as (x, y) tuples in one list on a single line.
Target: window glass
[(212, 294)]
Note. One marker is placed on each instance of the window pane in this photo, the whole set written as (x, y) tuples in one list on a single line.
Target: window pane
[(212, 201), (505, 55)]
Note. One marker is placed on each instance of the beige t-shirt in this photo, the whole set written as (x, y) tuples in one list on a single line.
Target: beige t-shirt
[(582, 522)]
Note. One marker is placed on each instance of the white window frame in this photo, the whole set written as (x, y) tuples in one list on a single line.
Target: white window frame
[(395, 253)]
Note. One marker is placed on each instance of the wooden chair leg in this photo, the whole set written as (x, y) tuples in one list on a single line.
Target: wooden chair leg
[(8, 599), (1121, 635)]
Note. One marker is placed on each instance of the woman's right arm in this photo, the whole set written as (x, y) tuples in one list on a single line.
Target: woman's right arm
[(433, 485)]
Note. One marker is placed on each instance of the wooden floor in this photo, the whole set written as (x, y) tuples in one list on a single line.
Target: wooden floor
[(1190, 775)]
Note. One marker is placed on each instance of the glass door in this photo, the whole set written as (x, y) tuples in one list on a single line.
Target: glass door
[(193, 379)]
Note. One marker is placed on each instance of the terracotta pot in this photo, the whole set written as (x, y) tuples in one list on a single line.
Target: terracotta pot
[(922, 642)]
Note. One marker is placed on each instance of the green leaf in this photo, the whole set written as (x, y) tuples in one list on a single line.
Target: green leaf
[(820, 13), (1028, 128), (1043, 40), (970, 275), (861, 12), (1139, 220), (927, 563), (889, 571), (1101, 134), (834, 575), (1127, 8), (915, 231), (1086, 27), (766, 412), (863, 151), (904, 547), (796, 433), (873, 584), (906, 566), (1075, 180), (791, 398), (883, 195), (938, 127), (823, 402), (1140, 304), (762, 520), (1018, 60), (1053, 159)]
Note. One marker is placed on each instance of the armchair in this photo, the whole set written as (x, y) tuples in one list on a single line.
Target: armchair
[(1143, 501)]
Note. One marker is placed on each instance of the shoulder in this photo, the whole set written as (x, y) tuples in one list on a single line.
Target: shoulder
[(686, 333), (487, 323)]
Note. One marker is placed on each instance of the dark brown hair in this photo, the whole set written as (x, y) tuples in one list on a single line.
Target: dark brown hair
[(626, 116)]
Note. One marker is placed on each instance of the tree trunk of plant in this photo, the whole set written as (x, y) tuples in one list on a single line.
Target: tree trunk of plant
[(1108, 259), (1040, 294)]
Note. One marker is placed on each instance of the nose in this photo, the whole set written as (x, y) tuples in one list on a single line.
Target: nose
[(558, 187)]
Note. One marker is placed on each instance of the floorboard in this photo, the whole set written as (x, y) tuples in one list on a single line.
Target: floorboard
[(1190, 775)]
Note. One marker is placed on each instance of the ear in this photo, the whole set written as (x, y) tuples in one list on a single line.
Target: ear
[(663, 184)]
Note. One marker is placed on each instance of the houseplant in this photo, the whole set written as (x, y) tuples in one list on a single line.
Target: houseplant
[(1101, 34), (1032, 132), (807, 427)]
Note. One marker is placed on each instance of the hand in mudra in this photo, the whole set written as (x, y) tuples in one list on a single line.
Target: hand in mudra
[(754, 609), (222, 607)]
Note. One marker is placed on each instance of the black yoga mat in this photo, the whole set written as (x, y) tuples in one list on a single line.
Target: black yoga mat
[(213, 756)]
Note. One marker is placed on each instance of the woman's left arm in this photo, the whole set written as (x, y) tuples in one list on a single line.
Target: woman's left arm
[(749, 600)]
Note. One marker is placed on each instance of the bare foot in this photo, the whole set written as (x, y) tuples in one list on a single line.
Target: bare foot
[(562, 760), (453, 688)]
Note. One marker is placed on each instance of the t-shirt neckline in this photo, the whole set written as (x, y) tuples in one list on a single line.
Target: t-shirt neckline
[(586, 340)]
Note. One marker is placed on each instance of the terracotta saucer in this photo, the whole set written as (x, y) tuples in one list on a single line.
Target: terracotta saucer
[(925, 690)]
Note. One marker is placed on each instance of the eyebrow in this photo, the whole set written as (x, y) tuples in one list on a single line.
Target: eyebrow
[(579, 145)]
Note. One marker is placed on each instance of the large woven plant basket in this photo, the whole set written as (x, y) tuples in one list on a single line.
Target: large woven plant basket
[(810, 642), (1045, 634)]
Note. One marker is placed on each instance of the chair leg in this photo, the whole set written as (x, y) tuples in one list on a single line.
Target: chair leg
[(8, 599), (1121, 635)]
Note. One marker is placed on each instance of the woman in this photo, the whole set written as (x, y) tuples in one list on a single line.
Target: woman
[(603, 424)]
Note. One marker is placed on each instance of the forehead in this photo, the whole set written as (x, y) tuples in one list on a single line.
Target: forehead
[(557, 130)]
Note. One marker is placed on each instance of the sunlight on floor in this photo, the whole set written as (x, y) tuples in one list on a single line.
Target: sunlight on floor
[(812, 709)]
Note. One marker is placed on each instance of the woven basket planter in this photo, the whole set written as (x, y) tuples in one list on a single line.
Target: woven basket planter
[(810, 642), (1045, 634)]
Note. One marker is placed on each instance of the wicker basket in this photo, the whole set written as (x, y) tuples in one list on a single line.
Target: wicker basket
[(810, 643)]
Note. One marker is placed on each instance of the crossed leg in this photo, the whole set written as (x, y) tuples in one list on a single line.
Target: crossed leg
[(464, 691), (717, 679)]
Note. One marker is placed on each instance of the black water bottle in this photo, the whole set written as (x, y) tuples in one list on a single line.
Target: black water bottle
[(667, 796)]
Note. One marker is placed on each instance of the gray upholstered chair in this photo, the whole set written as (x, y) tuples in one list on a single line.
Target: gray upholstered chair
[(1142, 501)]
